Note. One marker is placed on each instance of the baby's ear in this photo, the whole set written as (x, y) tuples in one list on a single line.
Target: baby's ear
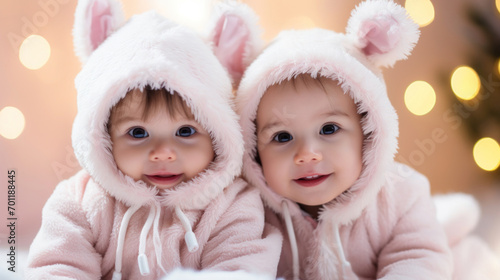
[(95, 20), (383, 31), (236, 37)]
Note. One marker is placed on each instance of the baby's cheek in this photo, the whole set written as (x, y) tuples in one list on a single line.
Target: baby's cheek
[(273, 172)]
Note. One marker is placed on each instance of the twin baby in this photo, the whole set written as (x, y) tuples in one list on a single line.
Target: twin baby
[(162, 141)]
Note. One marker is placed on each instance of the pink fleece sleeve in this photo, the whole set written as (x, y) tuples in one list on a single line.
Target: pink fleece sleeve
[(63, 247), (241, 240), (417, 246)]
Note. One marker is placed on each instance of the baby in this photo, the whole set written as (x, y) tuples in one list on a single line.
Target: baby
[(161, 150), (321, 136)]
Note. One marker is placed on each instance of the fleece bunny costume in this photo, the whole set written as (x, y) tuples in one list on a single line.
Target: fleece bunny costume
[(384, 226), (100, 224)]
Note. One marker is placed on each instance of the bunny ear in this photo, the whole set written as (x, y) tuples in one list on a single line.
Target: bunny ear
[(95, 20), (235, 36), (383, 31)]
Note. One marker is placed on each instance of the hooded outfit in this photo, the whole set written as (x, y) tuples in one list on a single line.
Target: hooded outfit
[(384, 226), (101, 224)]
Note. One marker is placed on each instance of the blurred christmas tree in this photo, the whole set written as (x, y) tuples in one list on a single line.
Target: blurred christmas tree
[(481, 114)]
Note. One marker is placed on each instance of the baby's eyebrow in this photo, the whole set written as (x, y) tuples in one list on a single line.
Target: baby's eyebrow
[(270, 125), (335, 112), (278, 123), (124, 119)]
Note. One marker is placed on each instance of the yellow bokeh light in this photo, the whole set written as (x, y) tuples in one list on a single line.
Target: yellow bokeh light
[(487, 154), (497, 2), (420, 98), (498, 63), (11, 122), (34, 52), (421, 11), (465, 83)]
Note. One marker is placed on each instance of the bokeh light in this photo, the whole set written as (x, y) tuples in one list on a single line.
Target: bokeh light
[(11, 122), (34, 52), (487, 154), (498, 63), (465, 83), (192, 13), (497, 2), (420, 98), (421, 11)]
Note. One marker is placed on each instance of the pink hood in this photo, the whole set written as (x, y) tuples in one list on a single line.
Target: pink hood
[(378, 34), (150, 49)]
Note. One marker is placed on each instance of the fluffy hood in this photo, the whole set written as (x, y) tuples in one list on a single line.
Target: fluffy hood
[(378, 34), (149, 49)]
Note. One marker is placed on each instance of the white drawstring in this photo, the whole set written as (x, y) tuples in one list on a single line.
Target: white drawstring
[(190, 238), (347, 273), (293, 241), (142, 258), (156, 238), (117, 274), (153, 219)]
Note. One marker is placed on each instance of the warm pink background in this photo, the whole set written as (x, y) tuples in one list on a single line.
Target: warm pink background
[(43, 155)]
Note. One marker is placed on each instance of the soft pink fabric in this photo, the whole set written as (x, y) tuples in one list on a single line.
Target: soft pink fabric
[(383, 31), (386, 220), (82, 219), (395, 237), (473, 259), (459, 214), (231, 36), (78, 237), (380, 35), (236, 37), (100, 22)]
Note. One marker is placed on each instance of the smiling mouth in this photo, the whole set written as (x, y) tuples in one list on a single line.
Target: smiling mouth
[(311, 181), (166, 179)]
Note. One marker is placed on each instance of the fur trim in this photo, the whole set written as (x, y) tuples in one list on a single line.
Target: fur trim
[(383, 31), (313, 54), (241, 25), (95, 20), (183, 63)]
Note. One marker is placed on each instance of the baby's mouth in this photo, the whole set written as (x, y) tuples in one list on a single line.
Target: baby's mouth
[(164, 179), (311, 181), (310, 177)]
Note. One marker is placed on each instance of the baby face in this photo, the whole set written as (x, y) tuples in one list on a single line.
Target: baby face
[(162, 150), (309, 140)]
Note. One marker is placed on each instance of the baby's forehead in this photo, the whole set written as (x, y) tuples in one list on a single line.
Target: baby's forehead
[(304, 84), (129, 102), (304, 96), (148, 104)]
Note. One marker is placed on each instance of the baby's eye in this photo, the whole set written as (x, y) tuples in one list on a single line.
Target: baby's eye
[(185, 131), (329, 129), (138, 132), (282, 137)]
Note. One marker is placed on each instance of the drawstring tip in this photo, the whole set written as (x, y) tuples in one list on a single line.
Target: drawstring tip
[(191, 241), (143, 265), (117, 275)]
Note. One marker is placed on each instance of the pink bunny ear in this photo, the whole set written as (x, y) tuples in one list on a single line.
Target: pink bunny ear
[(235, 37), (383, 31), (95, 20)]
